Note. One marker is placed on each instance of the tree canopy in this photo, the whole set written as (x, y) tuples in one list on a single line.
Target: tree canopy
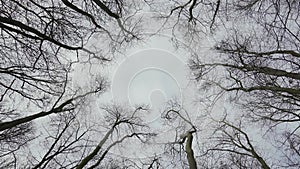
[(247, 105)]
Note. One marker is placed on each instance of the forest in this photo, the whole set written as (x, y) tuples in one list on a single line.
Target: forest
[(242, 109)]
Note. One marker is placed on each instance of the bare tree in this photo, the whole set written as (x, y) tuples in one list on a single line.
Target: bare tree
[(258, 67), (125, 125), (65, 139), (40, 43), (71, 142), (36, 39), (184, 134), (235, 141)]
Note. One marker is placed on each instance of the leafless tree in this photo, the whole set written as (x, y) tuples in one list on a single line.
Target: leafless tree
[(71, 142), (122, 126), (185, 132), (258, 67), (238, 144), (40, 42)]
